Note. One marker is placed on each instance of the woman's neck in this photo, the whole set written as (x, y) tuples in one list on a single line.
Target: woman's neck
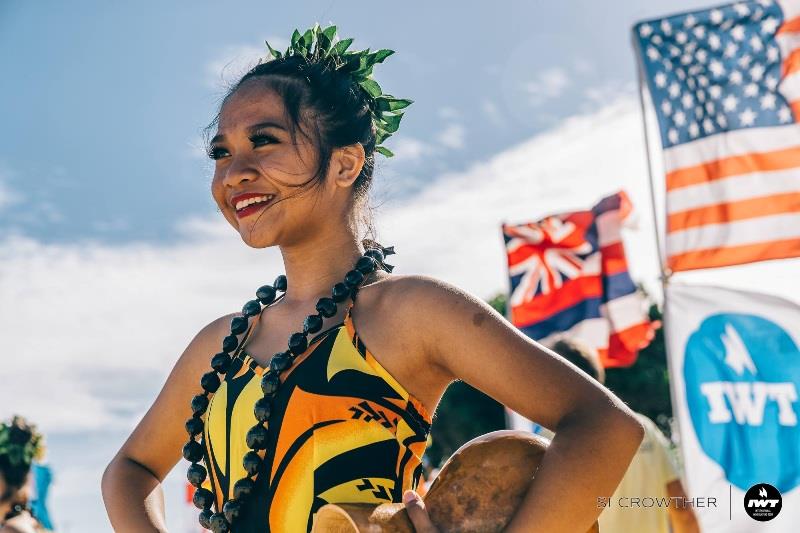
[(313, 267)]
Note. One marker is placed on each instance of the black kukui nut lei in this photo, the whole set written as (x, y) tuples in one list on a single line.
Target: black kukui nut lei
[(222, 521)]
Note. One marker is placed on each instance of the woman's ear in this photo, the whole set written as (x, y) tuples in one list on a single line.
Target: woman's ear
[(346, 164)]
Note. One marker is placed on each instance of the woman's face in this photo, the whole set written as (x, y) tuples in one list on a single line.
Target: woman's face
[(256, 161)]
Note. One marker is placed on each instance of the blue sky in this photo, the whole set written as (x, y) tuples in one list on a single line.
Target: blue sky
[(107, 227), (103, 102)]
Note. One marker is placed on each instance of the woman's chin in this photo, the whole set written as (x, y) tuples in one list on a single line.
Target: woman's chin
[(254, 240)]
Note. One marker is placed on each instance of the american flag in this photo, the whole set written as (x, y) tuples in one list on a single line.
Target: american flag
[(569, 276), (725, 85)]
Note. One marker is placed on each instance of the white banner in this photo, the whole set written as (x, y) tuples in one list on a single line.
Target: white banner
[(734, 363)]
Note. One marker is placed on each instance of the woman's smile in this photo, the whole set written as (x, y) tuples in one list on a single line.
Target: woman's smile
[(249, 203)]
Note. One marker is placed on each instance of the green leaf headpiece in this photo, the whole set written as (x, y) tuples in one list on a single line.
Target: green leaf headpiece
[(20, 442), (323, 43)]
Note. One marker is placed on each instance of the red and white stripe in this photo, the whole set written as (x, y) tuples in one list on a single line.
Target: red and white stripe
[(734, 197)]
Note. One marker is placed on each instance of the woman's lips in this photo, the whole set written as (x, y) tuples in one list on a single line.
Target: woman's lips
[(253, 208)]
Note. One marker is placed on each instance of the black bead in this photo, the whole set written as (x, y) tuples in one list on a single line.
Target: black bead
[(256, 437), (251, 463), (353, 279), (219, 524), (376, 254), (205, 518), (192, 451), (326, 307), (194, 426), (266, 294), (210, 381), (270, 383), (243, 488), (312, 324), (251, 308), (340, 292), (298, 343), (280, 362), (238, 325), (232, 508), (366, 264), (196, 474), (199, 404), (262, 409), (221, 362), (280, 283), (203, 498), (230, 343)]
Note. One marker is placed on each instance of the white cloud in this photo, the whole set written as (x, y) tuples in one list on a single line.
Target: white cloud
[(7, 195), (597, 96), (409, 149), (452, 136), (549, 84)]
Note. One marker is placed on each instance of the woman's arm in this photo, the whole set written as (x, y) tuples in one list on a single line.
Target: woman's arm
[(596, 433), (131, 483)]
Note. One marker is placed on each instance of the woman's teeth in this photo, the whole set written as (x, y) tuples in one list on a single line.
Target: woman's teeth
[(244, 203)]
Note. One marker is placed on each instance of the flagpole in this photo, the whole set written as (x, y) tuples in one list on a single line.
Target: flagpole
[(664, 273)]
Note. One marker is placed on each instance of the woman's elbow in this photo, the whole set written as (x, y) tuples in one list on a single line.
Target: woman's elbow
[(627, 429)]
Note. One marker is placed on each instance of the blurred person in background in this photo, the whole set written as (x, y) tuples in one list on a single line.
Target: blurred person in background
[(20, 445), (652, 473)]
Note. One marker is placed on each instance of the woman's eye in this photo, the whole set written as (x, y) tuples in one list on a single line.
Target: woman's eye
[(261, 140), (217, 152)]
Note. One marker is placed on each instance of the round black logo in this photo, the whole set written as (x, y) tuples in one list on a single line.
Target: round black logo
[(762, 502)]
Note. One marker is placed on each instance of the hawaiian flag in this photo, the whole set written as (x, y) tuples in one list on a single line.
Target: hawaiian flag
[(725, 88), (569, 276)]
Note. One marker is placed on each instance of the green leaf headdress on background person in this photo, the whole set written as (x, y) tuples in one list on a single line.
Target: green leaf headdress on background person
[(323, 44), (20, 443)]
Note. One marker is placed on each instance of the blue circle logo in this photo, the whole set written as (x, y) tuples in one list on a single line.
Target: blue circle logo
[(742, 377)]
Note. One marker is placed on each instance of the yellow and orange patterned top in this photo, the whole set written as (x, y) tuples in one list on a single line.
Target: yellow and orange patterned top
[(342, 430)]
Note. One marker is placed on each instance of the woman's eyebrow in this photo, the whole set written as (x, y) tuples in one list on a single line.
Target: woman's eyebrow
[(251, 130)]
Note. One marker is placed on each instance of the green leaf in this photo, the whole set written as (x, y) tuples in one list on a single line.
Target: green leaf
[(363, 73), (380, 55), (323, 44), (387, 102), (308, 38), (273, 53), (295, 37), (384, 151), (341, 46), (391, 122), (376, 57), (372, 87), (330, 32), (351, 61)]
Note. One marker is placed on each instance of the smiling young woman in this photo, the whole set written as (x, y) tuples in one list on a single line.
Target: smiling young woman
[(343, 415)]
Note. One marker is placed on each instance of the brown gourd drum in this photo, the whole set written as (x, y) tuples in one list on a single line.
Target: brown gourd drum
[(477, 491)]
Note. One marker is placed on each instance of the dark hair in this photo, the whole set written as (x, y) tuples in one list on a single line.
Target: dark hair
[(14, 477), (337, 108), (581, 356)]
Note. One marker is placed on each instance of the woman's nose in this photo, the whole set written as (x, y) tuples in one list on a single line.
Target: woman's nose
[(239, 170)]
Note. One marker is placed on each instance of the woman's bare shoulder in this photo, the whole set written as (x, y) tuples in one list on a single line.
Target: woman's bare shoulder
[(410, 291)]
